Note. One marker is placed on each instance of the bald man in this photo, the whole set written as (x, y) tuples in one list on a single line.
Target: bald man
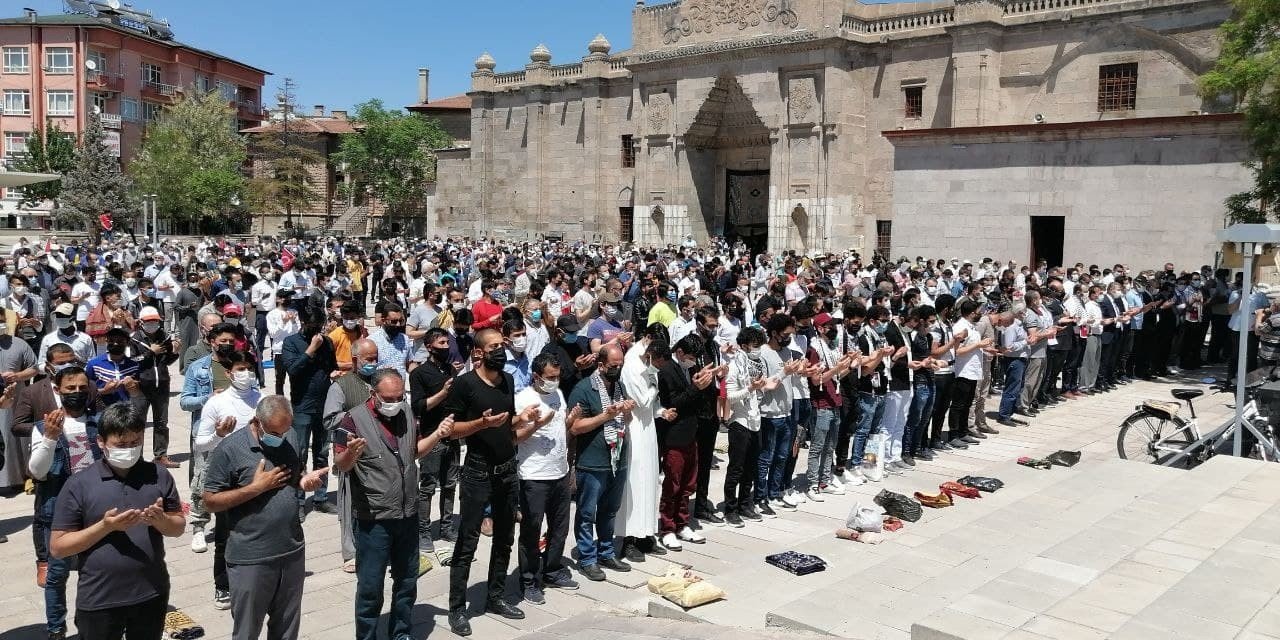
[(346, 393)]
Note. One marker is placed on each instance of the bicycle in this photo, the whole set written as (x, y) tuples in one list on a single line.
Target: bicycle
[(1156, 432)]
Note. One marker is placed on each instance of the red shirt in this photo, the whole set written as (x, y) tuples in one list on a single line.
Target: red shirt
[(482, 311)]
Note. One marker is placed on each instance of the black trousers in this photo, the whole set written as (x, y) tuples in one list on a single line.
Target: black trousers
[(740, 474), (1192, 342), (1135, 366), (708, 428), (142, 621), (221, 532), (1107, 360), (539, 500), (1055, 359), (962, 390), (438, 470), (943, 398), (848, 423), (1125, 352), (1219, 340), (1071, 369), (157, 399), (480, 485)]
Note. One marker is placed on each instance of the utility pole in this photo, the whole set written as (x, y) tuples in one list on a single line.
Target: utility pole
[(284, 100)]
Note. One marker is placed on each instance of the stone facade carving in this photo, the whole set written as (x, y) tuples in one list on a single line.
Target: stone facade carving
[(659, 113), (710, 16), (803, 98)]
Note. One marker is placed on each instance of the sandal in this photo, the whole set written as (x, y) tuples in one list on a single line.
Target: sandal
[(954, 489), (1035, 463), (180, 626), (937, 502)]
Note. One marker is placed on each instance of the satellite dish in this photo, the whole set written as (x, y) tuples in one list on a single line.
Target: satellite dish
[(91, 65), (1039, 118), (80, 6), (97, 109)]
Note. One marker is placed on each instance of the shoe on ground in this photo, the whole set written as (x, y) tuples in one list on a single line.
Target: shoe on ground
[(349, 566), (834, 482), (814, 494), (165, 462), (909, 461), (943, 446), (987, 429), (614, 564), (632, 553), (424, 563), (671, 542), (710, 517), (926, 455), (734, 520), (1020, 423), (765, 510), (834, 489), (534, 595), (199, 544), (592, 573), (973, 437), (444, 554), (302, 511), (486, 527), (749, 513), (1008, 422), (504, 609), (560, 580), (651, 547), (42, 574), (893, 468), (689, 535), (221, 599), (324, 507), (459, 624), (958, 443), (850, 477), (790, 501)]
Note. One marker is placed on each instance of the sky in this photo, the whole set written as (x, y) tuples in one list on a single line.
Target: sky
[(342, 53)]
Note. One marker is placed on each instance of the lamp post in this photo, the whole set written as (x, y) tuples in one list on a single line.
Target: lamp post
[(149, 202)]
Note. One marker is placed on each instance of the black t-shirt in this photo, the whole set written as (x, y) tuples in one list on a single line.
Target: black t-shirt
[(424, 382), (901, 368), (921, 348), (469, 398)]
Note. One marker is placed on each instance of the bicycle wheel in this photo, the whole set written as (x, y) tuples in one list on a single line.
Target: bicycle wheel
[(1141, 432)]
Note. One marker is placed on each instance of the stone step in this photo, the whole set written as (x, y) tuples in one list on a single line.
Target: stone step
[(1193, 555)]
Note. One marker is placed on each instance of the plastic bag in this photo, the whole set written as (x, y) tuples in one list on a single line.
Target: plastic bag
[(899, 506), (684, 588), (873, 458), (990, 485), (864, 518), (1064, 458)]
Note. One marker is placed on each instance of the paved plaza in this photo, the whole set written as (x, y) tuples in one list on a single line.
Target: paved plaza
[(972, 570)]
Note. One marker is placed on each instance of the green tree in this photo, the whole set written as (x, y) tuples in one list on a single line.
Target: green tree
[(1247, 74), (94, 184), (392, 154), (283, 160), (191, 158), (49, 150)]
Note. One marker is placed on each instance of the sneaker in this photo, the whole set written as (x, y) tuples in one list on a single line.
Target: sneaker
[(710, 517), (850, 477), (927, 455), (592, 573), (749, 513), (734, 520), (670, 541), (533, 595), (796, 496), (835, 482), (632, 553), (835, 489), (790, 501), (221, 599), (198, 542), (689, 535), (424, 563), (894, 468), (349, 566), (324, 506), (909, 461), (560, 580), (765, 510), (814, 494)]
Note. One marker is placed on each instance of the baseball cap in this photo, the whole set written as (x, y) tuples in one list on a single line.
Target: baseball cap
[(568, 323), (65, 309), (822, 319), (149, 313), (232, 309)]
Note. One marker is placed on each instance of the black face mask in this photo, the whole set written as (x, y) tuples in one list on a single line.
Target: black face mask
[(495, 360), (440, 354), (115, 348), (852, 328), (784, 341), (612, 375), (393, 331), (225, 350), (76, 400)]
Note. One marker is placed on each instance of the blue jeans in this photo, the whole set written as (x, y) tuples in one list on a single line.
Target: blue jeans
[(1014, 369), (870, 412), (55, 589), (599, 497), (822, 442), (915, 437), (379, 544), (311, 433), (775, 447)]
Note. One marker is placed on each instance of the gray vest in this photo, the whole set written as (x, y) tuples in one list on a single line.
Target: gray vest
[(384, 482)]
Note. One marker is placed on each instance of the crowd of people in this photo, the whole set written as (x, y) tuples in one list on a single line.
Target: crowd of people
[(575, 392)]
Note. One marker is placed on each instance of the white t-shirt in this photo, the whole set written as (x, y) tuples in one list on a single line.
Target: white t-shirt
[(545, 455), (228, 402), (89, 298), (968, 365), (166, 279)]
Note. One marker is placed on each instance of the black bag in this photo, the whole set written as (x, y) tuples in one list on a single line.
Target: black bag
[(800, 564), (990, 485), (899, 506), (1064, 458)]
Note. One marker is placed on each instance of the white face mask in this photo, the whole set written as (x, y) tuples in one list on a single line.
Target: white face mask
[(547, 387), (131, 283), (243, 380), (19, 291), (150, 327), (62, 323), (124, 458), (351, 325), (390, 409), (519, 344)]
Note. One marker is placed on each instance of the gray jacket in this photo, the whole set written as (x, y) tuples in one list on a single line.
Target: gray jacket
[(384, 482)]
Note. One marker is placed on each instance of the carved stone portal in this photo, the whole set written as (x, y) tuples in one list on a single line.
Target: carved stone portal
[(802, 99), (659, 113), (709, 16)]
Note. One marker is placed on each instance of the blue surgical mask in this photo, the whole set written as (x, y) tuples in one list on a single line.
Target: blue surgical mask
[(672, 296), (570, 337), (271, 440), (881, 328), (536, 316), (367, 370)]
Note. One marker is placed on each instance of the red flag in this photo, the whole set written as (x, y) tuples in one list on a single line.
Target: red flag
[(286, 258)]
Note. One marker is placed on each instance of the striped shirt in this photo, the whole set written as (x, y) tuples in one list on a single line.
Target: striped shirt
[(102, 370)]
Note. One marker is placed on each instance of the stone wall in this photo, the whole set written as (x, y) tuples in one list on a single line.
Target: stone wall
[(1139, 192)]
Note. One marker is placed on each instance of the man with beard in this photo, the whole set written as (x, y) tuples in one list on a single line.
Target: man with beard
[(429, 387), (309, 358), (345, 394)]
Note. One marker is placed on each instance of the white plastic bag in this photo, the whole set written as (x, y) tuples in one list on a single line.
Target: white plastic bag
[(863, 518), (873, 459)]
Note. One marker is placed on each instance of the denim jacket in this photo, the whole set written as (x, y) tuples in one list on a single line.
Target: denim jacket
[(47, 490), (197, 387)]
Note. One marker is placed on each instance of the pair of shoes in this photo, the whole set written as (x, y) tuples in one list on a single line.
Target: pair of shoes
[(324, 506), (651, 547), (221, 599), (1007, 422), (671, 542), (783, 503), (943, 446), (765, 510), (534, 595), (814, 494), (896, 468), (972, 436), (614, 564), (927, 455), (709, 517), (983, 428), (42, 574), (749, 513), (165, 462), (502, 608), (199, 544), (908, 460), (956, 443), (424, 563), (592, 573), (1029, 413), (559, 580), (796, 496), (349, 566), (835, 488), (486, 527), (459, 624), (689, 535), (734, 520)]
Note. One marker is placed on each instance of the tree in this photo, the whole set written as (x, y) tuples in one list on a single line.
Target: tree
[(1247, 74), (49, 150), (392, 154), (283, 159), (94, 184), (191, 159)]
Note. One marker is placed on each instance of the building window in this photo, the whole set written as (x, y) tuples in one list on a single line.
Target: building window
[(227, 90), (17, 102), (129, 110), (1118, 87), (59, 60), (15, 143), (626, 219), (914, 101), (17, 60), (628, 152), (99, 61), (98, 102), (884, 237), (152, 74), (203, 84), (150, 111), (61, 103)]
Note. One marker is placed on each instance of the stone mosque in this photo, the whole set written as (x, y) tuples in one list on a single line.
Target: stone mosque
[(1027, 129)]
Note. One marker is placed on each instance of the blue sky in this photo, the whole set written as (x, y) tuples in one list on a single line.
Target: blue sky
[(342, 53)]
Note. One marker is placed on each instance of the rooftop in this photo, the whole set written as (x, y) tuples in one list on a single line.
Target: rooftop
[(80, 20), (329, 125), (452, 103)]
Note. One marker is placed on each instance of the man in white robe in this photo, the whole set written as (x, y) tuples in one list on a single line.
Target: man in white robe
[(638, 516)]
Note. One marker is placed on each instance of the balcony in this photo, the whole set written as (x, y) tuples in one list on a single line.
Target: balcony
[(109, 120), (249, 110), (160, 91), (102, 81)]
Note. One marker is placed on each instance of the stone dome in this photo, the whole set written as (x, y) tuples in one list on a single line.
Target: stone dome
[(486, 62), (540, 54), (599, 45)]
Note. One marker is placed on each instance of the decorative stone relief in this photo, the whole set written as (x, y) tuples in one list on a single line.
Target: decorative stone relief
[(659, 113), (709, 16), (803, 99)]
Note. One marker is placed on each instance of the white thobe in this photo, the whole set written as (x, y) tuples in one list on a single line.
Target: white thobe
[(638, 515)]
